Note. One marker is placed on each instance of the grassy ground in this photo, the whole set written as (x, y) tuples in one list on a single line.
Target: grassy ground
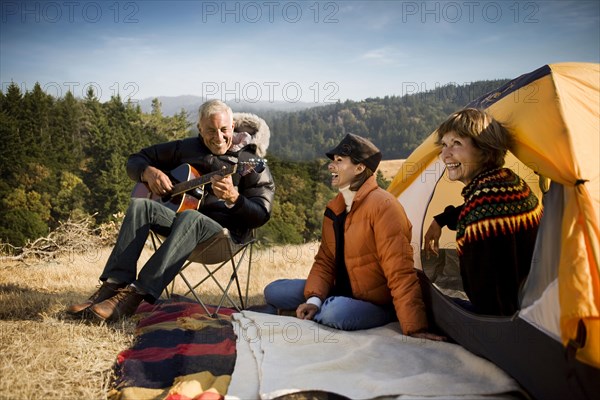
[(389, 168), (45, 354)]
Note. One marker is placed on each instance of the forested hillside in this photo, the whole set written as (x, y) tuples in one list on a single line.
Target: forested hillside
[(65, 157), (397, 125)]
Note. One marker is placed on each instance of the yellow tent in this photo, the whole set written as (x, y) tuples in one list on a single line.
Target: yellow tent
[(554, 113)]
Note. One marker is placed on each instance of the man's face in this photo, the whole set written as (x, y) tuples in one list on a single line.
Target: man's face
[(217, 132)]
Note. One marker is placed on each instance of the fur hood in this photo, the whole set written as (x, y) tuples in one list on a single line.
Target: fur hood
[(251, 129)]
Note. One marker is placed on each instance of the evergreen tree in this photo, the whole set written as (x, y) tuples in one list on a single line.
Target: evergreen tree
[(36, 134), (381, 181), (13, 151), (66, 124)]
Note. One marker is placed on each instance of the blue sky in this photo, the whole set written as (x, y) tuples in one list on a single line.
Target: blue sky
[(313, 51)]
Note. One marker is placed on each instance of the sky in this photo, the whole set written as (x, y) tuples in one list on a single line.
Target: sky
[(292, 51)]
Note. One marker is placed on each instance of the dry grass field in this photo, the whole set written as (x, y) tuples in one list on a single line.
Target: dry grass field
[(44, 354), (389, 168)]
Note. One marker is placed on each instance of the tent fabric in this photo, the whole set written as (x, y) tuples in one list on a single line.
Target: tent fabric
[(545, 253), (554, 114), (536, 360)]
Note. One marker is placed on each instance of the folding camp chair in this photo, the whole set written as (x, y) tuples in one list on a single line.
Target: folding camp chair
[(221, 250)]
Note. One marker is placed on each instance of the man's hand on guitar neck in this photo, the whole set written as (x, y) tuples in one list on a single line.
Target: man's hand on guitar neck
[(223, 188), (158, 182)]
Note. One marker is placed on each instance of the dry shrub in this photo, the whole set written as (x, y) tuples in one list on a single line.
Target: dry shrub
[(71, 237)]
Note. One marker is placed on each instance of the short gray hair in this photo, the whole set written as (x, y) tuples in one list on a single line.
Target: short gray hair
[(212, 107)]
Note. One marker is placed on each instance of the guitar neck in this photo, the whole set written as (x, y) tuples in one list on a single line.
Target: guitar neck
[(183, 187)]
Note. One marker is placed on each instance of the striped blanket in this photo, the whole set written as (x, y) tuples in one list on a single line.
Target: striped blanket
[(179, 353)]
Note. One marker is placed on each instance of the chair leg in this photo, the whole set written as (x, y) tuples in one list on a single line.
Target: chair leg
[(234, 278), (197, 297), (156, 242), (236, 259), (226, 289), (248, 275)]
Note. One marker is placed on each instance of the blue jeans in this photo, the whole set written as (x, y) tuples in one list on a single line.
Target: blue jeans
[(337, 312), (183, 232)]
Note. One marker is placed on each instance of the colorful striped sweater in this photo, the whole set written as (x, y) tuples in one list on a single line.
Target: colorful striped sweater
[(497, 202), (496, 229)]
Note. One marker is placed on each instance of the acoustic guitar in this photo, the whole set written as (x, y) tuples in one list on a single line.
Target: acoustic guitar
[(188, 184)]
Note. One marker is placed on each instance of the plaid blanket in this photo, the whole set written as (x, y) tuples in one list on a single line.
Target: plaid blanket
[(179, 353)]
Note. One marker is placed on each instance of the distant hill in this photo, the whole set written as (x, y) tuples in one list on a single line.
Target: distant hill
[(171, 105)]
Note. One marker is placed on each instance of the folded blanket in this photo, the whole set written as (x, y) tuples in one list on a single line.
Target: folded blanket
[(292, 355), (179, 353)]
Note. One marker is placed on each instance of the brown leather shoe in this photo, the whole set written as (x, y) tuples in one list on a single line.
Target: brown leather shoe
[(104, 291), (123, 304)]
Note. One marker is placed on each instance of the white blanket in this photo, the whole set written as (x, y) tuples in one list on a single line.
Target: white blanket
[(283, 355)]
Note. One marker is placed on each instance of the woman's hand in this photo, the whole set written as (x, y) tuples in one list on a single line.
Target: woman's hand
[(306, 311), (429, 336), (432, 239)]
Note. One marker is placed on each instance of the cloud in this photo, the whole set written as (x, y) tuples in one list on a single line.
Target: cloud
[(387, 55)]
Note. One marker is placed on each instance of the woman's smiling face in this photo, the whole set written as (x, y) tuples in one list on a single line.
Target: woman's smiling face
[(343, 171), (463, 160)]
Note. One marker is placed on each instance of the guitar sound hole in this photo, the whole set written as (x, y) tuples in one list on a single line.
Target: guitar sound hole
[(197, 193)]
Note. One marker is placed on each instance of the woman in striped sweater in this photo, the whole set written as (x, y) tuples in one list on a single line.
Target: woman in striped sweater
[(496, 226)]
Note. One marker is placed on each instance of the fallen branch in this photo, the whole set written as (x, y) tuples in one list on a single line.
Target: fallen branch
[(71, 237)]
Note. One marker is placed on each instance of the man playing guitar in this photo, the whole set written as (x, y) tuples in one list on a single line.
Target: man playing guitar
[(238, 202)]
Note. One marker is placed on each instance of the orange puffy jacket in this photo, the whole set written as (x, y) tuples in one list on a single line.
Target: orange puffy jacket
[(378, 256)]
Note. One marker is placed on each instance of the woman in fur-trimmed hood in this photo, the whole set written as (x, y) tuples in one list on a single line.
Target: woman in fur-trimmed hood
[(251, 129)]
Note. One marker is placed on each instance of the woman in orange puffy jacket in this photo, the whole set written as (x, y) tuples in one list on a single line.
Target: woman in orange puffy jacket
[(363, 274)]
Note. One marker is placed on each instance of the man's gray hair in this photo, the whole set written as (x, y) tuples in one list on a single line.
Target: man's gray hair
[(212, 107)]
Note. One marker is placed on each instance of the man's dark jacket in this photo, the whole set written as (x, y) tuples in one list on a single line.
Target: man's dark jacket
[(253, 207)]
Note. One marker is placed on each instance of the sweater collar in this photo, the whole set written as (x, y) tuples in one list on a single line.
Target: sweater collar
[(348, 197), (338, 203), (496, 175)]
